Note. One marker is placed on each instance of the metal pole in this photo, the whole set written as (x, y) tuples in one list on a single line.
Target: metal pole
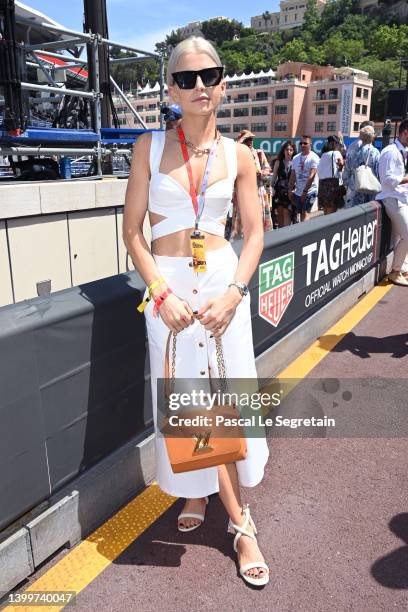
[(128, 103), (97, 102), (55, 44), (111, 43), (55, 28), (11, 150), (128, 60), (61, 90), (161, 89), (43, 68)]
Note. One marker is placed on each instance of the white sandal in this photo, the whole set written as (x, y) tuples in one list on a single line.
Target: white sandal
[(191, 515), (240, 531)]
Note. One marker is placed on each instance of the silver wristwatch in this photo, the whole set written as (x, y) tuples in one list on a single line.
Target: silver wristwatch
[(242, 287)]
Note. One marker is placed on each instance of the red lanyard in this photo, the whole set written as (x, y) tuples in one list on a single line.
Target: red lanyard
[(198, 206)]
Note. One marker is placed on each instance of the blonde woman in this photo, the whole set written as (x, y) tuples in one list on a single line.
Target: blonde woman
[(199, 305)]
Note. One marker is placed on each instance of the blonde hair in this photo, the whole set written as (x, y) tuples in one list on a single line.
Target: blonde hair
[(192, 44)]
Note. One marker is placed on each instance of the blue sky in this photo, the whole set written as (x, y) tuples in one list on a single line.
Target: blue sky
[(142, 24)]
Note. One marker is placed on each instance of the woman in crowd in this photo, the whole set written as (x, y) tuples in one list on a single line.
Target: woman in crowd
[(280, 179), (331, 188), (363, 152), (263, 170), (196, 284)]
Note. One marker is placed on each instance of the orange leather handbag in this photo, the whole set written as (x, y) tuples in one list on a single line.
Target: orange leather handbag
[(198, 447)]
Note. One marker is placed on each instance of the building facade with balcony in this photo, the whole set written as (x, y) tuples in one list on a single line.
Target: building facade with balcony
[(297, 99), (291, 14)]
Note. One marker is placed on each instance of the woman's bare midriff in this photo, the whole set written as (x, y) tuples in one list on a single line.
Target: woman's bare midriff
[(179, 245)]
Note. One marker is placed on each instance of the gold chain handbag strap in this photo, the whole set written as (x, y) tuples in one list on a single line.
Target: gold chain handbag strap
[(220, 363)]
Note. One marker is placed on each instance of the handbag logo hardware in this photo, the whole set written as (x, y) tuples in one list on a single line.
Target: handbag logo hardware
[(202, 442)]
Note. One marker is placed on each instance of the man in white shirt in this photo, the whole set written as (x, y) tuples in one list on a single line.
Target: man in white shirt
[(394, 194), (303, 181)]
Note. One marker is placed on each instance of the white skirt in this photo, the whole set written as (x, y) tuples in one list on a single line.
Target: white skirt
[(195, 354)]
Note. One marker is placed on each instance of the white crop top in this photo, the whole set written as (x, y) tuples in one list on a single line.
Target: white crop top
[(171, 200)]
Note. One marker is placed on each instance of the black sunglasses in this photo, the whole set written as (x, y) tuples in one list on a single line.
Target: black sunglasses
[(305, 143), (186, 79)]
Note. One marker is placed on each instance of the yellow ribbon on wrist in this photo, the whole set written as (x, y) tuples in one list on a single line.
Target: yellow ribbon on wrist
[(151, 287)]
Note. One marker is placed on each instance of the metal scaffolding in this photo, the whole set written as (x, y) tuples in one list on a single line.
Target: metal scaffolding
[(94, 93)]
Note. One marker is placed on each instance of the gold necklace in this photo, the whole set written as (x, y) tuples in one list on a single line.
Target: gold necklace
[(199, 151)]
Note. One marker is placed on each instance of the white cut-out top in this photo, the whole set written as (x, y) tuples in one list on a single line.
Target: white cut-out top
[(167, 197)]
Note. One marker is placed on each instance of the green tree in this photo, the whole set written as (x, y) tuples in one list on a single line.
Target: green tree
[(220, 30), (385, 75), (311, 19), (294, 51), (390, 41)]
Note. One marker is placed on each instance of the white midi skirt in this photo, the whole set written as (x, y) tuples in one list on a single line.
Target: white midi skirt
[(195, 354)]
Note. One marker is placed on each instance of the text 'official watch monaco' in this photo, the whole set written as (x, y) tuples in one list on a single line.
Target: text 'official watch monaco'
[(242, 287)]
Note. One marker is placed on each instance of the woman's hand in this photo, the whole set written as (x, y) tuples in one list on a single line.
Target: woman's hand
[(217, 313), (176, 313)]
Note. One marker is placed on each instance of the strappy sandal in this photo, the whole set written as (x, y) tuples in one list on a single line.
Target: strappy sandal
[(191, 515), (240, 531)]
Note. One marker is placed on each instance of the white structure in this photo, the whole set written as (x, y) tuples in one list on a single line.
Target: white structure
[(290, 15)]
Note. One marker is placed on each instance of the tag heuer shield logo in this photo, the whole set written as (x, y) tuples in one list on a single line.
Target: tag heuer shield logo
[(276, 287)]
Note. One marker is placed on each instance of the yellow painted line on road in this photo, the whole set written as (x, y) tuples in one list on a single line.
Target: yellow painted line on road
[(89, 558), (92, 556)]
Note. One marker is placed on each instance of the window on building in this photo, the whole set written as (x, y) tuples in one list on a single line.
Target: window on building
[(358, 92), (261, 95), (151, 119), (238, 127), (225, 112), (152, 107), (364, 109), (139, 108), (281, 126), (331, 126), (281, 110), (357, 109), (332, 109), (241, 112), (224, 129), (333, 93), (356, 126), (122, 120), (321, 94), (319, 109), (295, 16), (259, 24), (365, 94), (319, 126), (259, 110), (286, 18), (258, 127), (242, 98), (281, 94)]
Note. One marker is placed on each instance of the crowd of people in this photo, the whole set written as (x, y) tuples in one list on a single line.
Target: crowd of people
[(290, 184), (293, 181)]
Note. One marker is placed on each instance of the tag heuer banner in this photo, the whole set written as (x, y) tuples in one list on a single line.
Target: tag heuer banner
[(275, 287), (304, 266)]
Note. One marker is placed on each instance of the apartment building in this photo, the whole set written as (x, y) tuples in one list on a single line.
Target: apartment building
[(298, 98), (290, 15), (194, 27)]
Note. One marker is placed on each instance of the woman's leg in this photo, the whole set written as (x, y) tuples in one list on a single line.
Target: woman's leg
[(283, 216), (230, 496)]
